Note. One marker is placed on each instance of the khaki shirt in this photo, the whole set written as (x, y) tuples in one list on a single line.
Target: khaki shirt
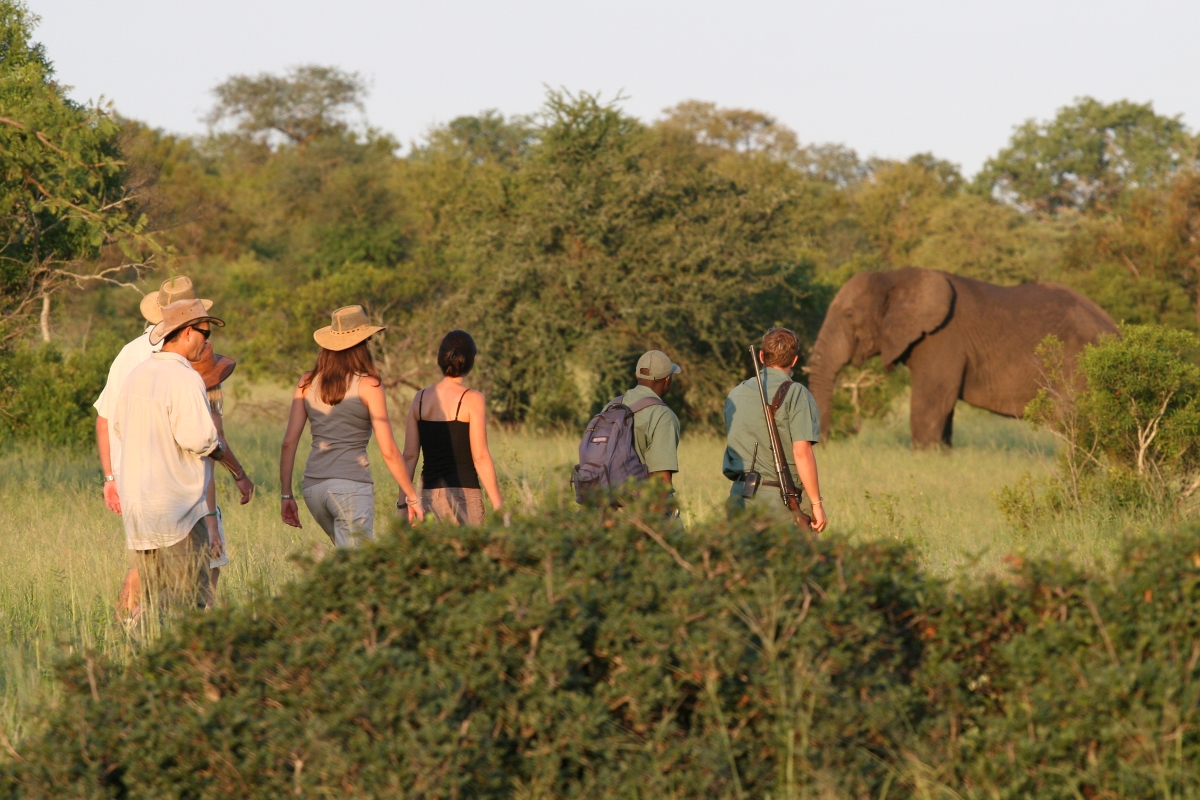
[(655, 433), (165, 428), (797, 419)]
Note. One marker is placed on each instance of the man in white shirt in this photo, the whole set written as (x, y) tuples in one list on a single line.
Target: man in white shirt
[(131, 355), (163, 429)]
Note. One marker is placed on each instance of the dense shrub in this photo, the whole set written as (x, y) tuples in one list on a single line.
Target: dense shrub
[(1127, 422), (584, 653), (46, 396)]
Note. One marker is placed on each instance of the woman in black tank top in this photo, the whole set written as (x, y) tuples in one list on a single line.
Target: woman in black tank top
[(457, 465), (447, 448)]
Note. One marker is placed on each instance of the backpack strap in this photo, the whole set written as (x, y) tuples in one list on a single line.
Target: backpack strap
[(644, 403), (781, 394), (637, 405)]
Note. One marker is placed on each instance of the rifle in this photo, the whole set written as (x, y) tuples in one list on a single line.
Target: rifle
[(787, 487)]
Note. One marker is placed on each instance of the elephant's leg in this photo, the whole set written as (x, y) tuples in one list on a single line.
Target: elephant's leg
[(937, 379)]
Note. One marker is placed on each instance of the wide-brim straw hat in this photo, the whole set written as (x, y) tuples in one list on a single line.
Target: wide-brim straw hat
[(214, 368), (180, 314), (350, 326), (172, 291)]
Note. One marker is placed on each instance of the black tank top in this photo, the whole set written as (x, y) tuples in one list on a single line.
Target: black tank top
[(447, 450)]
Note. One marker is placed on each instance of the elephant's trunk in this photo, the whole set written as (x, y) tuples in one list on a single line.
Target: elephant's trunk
[(831, 352)]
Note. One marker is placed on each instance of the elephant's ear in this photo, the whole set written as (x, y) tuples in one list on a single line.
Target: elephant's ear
[(918, 302)]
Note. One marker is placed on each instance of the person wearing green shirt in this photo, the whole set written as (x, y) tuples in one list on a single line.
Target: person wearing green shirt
[(655, 427), (748, 444)]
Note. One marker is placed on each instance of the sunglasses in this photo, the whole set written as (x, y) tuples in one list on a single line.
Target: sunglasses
[(202, 331)]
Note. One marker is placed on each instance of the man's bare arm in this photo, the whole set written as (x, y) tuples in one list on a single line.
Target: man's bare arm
[(806, 465), (111, 498)]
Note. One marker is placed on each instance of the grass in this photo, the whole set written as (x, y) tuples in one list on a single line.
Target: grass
[(63, 558)]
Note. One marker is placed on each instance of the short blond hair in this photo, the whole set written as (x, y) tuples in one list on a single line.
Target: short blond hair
[(780, 346)]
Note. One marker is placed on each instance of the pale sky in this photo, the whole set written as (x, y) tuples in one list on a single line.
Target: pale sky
[(889, 79)]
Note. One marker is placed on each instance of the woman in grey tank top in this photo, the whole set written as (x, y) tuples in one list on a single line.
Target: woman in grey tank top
[(342, 399)]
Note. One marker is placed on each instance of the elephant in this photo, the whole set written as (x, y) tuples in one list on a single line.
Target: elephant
[(961, 338)]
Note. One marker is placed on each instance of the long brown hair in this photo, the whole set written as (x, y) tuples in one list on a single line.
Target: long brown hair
[(336, 368)]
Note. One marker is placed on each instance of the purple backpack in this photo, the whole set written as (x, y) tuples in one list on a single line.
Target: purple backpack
[(607, 457)]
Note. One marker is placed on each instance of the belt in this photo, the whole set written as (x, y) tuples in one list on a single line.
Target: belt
[(742, 477)]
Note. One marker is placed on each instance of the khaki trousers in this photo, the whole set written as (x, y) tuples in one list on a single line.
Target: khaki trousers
[(453, 504), (176, 576)]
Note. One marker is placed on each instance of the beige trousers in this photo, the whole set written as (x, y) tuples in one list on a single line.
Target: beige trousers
[(453, 504), (345, 510)]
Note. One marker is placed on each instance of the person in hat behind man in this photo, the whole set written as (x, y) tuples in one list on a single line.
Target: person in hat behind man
[(132, 354), (796, 417), (214, 369), (342, 398), (164, 429), (655, 426)]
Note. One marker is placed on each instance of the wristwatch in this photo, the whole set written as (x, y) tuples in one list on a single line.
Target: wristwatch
[(109, 478)]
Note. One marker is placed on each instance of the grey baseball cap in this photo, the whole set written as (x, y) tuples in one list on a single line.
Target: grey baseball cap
[(654, 366)]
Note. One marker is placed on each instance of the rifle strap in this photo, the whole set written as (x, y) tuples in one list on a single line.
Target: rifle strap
[(781, 394)]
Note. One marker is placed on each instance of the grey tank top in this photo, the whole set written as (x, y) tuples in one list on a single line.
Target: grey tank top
[(339, 437)]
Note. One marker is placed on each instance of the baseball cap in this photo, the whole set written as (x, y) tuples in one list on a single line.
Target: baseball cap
[(654, 366)]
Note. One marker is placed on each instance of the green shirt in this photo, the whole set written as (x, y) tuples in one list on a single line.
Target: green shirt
[(797, 419), (655, 433)]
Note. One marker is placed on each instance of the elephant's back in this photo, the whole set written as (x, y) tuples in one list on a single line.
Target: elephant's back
[(1002, 326), (1036, 310)]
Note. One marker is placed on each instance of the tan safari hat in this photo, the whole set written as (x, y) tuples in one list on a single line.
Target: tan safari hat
[(174, 289), (654, 366), (350, 326), (214, 368), (180, 314)]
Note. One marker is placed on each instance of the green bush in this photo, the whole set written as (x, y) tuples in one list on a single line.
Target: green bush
[(1127, 421), (613, 655), (46, 397)]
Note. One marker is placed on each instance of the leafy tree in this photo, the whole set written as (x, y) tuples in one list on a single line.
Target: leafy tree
[(980, 238), (1142, 261), (63, 200), (737, 129), (1087, 156), (614, 238), (486, 137), (895, 206), (310, 101)]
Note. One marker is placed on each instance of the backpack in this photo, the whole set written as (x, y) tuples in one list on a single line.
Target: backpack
[(607, 457)]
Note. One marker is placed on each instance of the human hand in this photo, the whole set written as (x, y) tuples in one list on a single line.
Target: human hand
[(290, 513), (216, 544), (246, 487), (415, 513), (111, 498), (819, 520)]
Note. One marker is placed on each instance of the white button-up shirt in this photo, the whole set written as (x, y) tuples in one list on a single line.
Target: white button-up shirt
[(130, 356), (165, 429)]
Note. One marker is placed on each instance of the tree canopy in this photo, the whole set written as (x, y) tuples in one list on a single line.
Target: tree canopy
[(62, 182), (571, 239), (1088, 155)]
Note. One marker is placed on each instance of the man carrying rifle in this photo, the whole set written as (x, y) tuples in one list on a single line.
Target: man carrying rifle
[(749, 452)]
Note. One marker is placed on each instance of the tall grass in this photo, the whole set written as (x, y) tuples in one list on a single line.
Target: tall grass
[(62, 552)]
